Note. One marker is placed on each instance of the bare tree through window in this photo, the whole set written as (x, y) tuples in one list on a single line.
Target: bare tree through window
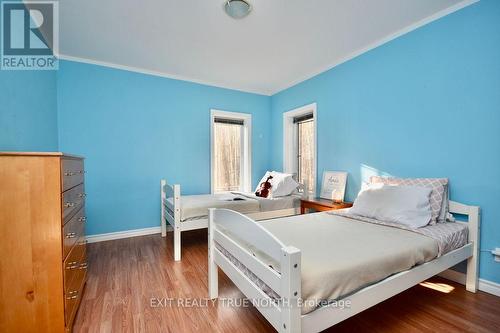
[(305, 154), (227, 153)]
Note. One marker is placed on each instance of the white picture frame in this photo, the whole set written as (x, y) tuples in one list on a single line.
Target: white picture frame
[(333, 180)]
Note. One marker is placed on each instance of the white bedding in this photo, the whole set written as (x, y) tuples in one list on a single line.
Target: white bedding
[(265, 204), (341, 255), (196, 206)]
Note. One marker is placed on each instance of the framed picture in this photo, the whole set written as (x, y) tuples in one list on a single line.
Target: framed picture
[(333, 185)]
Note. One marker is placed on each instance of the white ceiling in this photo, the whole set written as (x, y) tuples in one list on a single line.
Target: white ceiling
[(281, 43)]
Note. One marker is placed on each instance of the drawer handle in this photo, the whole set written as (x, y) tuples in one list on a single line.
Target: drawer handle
[(82, 172), (72, 265), (75, 296), (82, 219), (82, 195), (69, 173), (71, 235), (83, 265), (69, 204)]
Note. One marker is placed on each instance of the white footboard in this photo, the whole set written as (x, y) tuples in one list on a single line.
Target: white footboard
[(474, 226), (284, 315)]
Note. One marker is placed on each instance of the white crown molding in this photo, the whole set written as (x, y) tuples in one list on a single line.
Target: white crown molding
[(271, 92), (487, 286), (122, 234), (157, 73), (379, 42)]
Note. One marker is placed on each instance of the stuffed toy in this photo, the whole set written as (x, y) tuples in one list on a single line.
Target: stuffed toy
[(264, 188)]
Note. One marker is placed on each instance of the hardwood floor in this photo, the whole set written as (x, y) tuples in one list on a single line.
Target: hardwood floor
[(126, 277)]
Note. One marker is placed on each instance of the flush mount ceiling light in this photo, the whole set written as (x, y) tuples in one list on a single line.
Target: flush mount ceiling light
[(237, 8)]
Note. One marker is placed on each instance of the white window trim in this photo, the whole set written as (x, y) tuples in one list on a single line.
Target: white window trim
[(247, 146), (290, 143)]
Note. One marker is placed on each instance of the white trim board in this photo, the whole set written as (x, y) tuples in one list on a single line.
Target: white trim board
[(290, 142), (246, 158), (157, 73), (489, 287), (123, 234)]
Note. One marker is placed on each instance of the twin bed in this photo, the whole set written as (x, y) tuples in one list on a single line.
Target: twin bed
[(301, 271), (190, 212), (306, 273)]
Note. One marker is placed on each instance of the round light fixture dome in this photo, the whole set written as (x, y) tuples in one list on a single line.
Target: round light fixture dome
[(237, 8)]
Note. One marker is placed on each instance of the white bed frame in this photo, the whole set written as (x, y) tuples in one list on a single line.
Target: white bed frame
[(171, 214), (288, 284)]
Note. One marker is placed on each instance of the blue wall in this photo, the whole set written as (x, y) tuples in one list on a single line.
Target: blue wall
[(424, 105), (135, 129), (28, 111)]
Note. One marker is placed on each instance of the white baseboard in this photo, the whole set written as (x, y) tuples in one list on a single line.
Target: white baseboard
[(489, 287), (123, 234)]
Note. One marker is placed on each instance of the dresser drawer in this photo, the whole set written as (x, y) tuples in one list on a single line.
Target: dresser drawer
[(75, 273), (75, 262), (71, 173), (72, 200), (73, 295), (73, 230)]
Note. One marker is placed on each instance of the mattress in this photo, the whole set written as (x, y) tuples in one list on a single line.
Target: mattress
[(196, 206), (265, 204), (341, 255)]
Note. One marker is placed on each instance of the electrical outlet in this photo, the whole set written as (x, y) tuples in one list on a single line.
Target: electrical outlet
[(496, 253)]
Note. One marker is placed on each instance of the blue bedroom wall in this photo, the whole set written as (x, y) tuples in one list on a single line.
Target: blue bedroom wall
[(424, 105), (135, 129), (28, 111)]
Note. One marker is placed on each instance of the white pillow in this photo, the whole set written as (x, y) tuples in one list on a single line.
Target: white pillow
[(438, 198), (408, 205), (283, 184)]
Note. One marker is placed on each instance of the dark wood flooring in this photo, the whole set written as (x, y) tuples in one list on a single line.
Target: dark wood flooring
[(126, 277)]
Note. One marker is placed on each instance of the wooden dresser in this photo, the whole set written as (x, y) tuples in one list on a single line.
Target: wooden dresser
[(43, 261)]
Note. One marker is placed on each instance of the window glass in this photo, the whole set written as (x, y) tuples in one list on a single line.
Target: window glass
[(305, 153), (228, 147)]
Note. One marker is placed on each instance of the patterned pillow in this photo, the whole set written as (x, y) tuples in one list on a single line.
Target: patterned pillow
[(439, 194)]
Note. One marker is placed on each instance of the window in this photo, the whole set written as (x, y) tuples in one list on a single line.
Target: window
[(299, 144), (230, 150), (305, 149)]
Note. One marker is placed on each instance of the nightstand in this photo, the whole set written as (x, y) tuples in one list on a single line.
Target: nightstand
[(321, 205)]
